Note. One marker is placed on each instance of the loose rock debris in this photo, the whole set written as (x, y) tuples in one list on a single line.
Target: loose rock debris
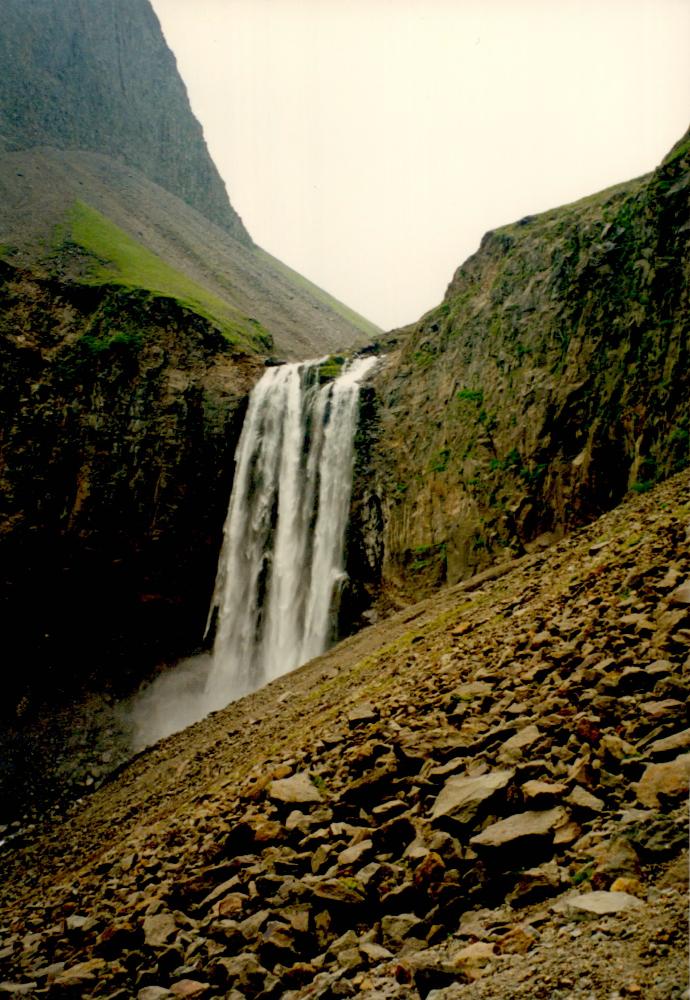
[(491, 812)]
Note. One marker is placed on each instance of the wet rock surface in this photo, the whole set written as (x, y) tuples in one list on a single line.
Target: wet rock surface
[(450, 804)]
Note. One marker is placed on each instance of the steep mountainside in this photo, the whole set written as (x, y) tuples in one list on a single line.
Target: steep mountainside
[(553, 379), (97, 75), (48, 201), (94, 116)]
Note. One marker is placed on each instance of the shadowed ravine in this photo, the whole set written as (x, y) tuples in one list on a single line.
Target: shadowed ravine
[(481, 793)]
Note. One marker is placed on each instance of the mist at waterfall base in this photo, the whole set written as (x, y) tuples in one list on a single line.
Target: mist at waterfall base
[(281, 566)]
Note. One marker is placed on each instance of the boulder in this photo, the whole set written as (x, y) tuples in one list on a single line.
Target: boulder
[(396, 928), (668, 780), (517, 941), (534, 884), (617, 859), (362, 715), (355, 852), (159, 929), (583, 801), (670, 745), (82, 976), (520, 830), (471, 961), (681, 595), (339, 892), (598, 904), (513, 747), (244, 972), (538, 792), (462, 798), (299, 789)]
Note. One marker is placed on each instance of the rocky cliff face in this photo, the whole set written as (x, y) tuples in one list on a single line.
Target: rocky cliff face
[(94, 118), (97, 75), (553, 379), (120, 414)]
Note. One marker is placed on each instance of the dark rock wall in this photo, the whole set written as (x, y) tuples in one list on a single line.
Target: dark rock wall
[(364, 535), (97, 75), (119, 414), (553, 379)]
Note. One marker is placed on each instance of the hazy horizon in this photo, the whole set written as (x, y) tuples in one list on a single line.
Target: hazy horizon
[(370, 144)]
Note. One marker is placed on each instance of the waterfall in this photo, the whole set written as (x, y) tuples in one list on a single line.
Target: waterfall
[(280, 570)]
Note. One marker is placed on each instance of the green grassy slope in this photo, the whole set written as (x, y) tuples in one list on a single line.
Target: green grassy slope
[(117, 258), (80, 216)]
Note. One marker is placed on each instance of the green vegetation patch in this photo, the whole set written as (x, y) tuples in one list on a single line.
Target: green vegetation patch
[(512, 461), (424, 357), (331, 368), (119, 340), (119, 259), (428, 556), (439, 462), (681, 149), (470, 396)]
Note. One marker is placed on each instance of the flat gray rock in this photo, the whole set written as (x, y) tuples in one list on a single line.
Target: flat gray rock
[(583, 800), (670, 744), (513, 747), (362, 715), (159, 929), (521, 826), (599, 903), (671, 779), (681, 595), (153, 993), (461, 797)]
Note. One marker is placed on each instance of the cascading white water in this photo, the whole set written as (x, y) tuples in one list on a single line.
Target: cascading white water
[(281, 565)]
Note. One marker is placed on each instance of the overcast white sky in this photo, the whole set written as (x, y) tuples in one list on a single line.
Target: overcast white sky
[(370, 143)]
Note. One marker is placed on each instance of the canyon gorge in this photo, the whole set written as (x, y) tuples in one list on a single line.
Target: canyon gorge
[(507, 571)]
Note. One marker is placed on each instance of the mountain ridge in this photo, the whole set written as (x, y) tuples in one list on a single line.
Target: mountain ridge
[(93, 110)]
